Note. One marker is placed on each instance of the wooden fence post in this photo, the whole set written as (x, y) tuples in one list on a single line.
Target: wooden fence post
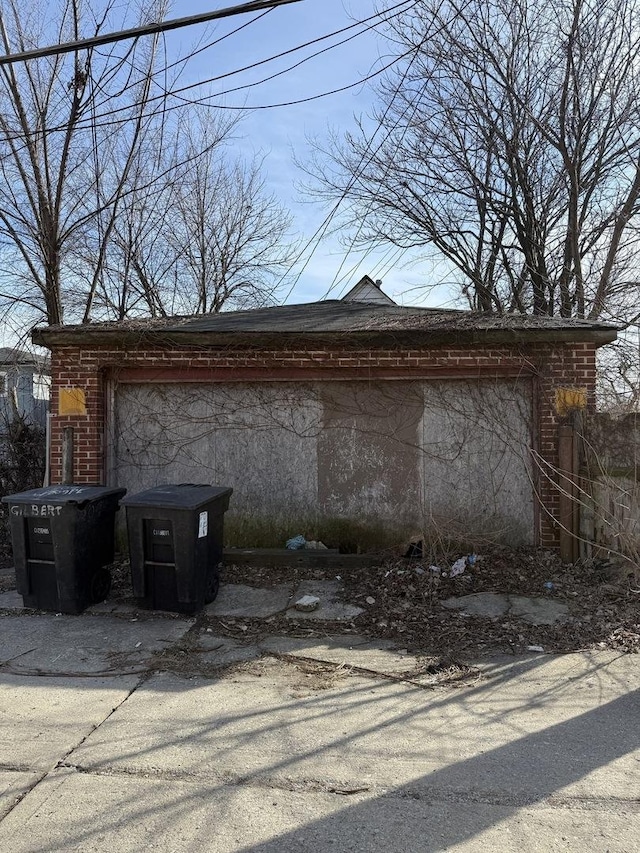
[(67, 456), (569, 505)]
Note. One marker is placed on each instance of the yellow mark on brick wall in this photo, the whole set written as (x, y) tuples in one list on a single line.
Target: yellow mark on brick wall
[(71, 401), (569, 400)]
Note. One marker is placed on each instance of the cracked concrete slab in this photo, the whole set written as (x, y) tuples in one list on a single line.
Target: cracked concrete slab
[(501, 738), (74, 812), (13, 785), (11, 600), (42, 719), (240, 600), (535, 611), (332, 607), (86, 644), (353, 651), (275, 757)]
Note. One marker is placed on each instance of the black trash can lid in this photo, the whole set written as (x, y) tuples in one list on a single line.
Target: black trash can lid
[(64, 495), (178, 496)]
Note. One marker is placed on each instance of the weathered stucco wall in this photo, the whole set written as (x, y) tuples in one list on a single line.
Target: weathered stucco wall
[(477, 437), (446, 456), (482, 430), (261, 440)]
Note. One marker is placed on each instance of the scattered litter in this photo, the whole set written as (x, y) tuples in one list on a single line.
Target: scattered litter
[(458, 567), (315, 546), (407, 608), (138, 645), (419, 570), (370, 599), (535, 649), (549, 585), (296, 543), (338, 577), (307, 603)]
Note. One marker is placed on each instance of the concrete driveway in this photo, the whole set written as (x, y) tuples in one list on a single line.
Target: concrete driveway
[(321, 743)]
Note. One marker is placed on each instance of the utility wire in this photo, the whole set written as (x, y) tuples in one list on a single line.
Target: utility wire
[(380, 18), (206, 99), (368, 155), (377, 19), (145, 30)]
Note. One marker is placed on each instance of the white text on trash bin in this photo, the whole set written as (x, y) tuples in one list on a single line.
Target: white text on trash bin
[(36, 510)]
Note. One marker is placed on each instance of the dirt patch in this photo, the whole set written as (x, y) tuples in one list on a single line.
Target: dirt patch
[(269, 576), (402, 602), (402, 599)]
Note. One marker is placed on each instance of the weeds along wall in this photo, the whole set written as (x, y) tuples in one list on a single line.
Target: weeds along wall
[(389, 439)]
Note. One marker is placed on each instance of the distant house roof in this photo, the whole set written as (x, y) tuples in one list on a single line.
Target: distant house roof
[(327, 320), (368, 290), (11, 357)]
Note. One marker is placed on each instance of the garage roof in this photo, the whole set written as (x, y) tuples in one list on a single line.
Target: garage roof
[(330, 318)]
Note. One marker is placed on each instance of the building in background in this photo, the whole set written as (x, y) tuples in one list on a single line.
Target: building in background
[(25, 382)]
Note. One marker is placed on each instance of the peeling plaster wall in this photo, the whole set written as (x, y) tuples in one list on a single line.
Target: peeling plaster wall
[(369, 451), (476, 448), (449, 454), (101, 371), (258, 439)]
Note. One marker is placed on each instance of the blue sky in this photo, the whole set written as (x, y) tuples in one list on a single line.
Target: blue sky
[(282, 134)]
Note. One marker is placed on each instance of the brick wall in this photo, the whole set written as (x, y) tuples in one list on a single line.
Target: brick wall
[(553, 366), (569, 366)]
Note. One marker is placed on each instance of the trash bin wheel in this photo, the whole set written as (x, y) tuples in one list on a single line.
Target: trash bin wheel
[(100, 585), (212, 587)]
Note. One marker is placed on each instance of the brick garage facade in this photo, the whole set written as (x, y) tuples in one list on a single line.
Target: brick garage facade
[(95, 366)]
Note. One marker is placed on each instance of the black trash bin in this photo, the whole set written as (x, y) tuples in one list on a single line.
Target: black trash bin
[(175, 545), (63, 537)]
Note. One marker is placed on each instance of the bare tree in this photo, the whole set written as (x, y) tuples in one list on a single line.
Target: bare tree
[(229, 236), (207, 236), (64, 173), (110, 205), (508, 141)]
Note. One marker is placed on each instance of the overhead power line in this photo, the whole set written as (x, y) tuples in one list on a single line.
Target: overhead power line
[(371, 23), (145, 30)]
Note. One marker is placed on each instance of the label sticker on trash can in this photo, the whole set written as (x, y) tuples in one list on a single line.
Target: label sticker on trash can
[(204, 524)]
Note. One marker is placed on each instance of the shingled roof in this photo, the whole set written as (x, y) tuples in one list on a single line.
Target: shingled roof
[(330, 319)]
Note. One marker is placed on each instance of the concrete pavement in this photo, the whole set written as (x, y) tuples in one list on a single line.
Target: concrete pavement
[(318, 743)]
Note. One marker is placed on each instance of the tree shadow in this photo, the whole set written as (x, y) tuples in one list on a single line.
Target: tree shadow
[(430, 770)]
